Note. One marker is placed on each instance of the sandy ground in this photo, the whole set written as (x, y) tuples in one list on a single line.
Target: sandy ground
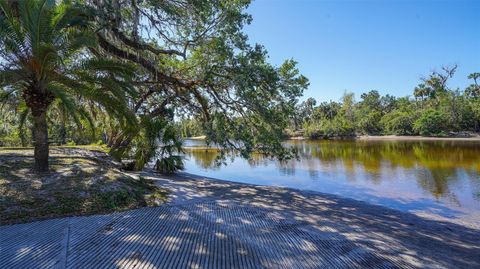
[(201, 137), (417, 138), (474, 137)]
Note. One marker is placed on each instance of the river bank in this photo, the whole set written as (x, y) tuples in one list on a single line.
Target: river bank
[(421, 177), (207, 188), (417, 138), (211, 223), (469, 137)]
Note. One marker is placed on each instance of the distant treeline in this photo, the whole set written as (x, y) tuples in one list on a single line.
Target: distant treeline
[(433, 109)]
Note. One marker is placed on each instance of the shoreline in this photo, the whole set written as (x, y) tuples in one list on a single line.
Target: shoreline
[(245, 225), (415, 138), (391, 138), (306, 192), (475, 137)]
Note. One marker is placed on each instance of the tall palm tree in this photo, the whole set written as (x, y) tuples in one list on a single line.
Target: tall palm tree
[(46, 54)]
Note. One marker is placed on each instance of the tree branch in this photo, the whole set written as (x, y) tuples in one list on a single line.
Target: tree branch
[(143, 46)]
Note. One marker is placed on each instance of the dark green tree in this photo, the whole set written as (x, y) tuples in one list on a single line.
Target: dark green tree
[(472, 93), (193, 57), (43, 57), (432, 123), (473, 90), (369, 112)]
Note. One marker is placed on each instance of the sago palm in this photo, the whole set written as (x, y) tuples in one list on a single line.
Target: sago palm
[(46, 54)]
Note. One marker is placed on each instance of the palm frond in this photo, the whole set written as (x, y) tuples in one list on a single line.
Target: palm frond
[(45, 47), (68, 15), (9, 77), (103, 96)]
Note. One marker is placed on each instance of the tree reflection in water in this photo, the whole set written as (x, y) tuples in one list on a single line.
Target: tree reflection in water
[(438, 167)]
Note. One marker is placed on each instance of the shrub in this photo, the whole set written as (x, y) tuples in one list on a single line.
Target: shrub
[(71, 143), (398, 123), (312, 130), (338, 127), (369, 123), (432, 123)]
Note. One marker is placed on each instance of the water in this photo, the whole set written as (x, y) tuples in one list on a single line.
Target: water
[(437, 177)]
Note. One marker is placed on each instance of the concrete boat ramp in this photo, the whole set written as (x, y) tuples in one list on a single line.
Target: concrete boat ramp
[(217, 224)]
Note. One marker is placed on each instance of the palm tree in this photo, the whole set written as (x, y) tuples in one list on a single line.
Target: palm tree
[(46, 54)]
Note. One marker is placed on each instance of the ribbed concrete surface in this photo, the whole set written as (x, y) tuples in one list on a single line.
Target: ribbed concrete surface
[(255, 227)]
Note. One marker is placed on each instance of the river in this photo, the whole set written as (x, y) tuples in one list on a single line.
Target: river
[(433, 177)]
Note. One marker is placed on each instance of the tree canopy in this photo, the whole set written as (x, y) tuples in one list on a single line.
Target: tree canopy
[(145, 63), (139, 74), (43, 58)]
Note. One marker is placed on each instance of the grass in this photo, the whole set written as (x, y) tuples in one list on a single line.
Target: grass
[(76, 185)]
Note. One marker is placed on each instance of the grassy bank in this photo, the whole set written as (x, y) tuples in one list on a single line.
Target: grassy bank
[(80, 182)]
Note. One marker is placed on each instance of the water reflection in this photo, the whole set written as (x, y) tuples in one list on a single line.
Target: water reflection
[(445, 171)]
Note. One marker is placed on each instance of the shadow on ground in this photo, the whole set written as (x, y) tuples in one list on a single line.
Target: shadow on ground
[(78, 184), (216, 224)]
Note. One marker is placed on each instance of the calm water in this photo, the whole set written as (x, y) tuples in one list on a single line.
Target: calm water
[(439, 177)]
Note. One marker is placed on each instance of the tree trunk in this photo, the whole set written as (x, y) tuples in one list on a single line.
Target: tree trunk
[(40, 136), (38, 100)]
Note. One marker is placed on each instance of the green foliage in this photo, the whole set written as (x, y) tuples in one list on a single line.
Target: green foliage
[(46, 62), (326, 110), (169, 164), (432, 123), (370, 123), (475, 108), (436, 110), (369, 113), (336, 127), (168, 156), (190, 127), (398, 123), (71, 143), (121, 74), (145, 144), (304, 110), (156, 139)]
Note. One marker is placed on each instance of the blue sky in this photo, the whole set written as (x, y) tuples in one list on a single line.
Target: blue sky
[(369, 45)]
